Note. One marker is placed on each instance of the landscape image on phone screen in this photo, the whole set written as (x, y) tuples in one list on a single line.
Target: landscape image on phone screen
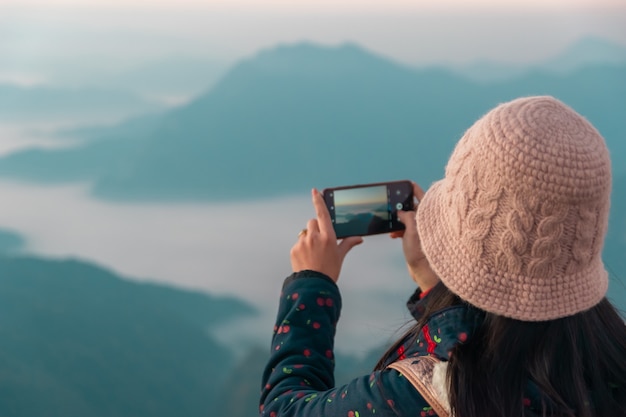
[(361, 211)]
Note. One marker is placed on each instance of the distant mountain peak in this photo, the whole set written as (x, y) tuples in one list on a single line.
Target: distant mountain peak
[(315, 58), (590, 50), (585, 52), (309, 49), (597, 44)]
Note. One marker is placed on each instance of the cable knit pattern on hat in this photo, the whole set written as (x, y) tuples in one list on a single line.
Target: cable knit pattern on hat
[(584, 238), (516, 227), (515, 236), (545, 253)]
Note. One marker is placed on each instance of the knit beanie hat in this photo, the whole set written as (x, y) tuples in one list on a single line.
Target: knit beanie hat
[(517, 225)]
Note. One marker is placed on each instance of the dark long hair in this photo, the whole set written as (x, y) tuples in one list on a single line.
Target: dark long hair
[(577, 363), (439, 298)]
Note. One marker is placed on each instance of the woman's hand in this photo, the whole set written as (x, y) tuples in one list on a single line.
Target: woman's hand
[(317, 248), (416, 261)]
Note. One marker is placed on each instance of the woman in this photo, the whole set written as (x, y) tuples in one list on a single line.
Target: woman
[(511, 314)]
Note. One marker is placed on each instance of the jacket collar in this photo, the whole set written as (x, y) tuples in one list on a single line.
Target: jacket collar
[(445, 328)]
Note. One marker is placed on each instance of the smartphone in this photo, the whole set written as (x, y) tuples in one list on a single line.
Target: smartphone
[(368, 209)]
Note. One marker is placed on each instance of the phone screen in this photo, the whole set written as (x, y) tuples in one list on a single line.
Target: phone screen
[(368, 209)]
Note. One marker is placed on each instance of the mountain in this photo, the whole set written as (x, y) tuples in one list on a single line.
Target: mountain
[(239, 391), (586, 52), (79, 341), (615, 245), (484, 71), (278, 123), (298, 116), (10, 241)]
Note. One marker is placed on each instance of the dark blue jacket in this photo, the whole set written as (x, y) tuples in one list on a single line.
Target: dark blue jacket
[(299, 381)]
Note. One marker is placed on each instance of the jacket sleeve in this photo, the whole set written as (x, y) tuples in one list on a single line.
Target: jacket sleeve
[(299, 377)]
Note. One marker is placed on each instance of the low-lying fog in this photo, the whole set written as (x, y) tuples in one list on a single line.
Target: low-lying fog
[(239, 248)]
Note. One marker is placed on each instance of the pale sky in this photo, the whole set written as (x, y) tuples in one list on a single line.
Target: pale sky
[(38, 37), (327, 5)]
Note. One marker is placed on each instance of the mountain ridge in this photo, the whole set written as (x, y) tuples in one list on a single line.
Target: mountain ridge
[(80, 340), (586, 51), (356, 115)]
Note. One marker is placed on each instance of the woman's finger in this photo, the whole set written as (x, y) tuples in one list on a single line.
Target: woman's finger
[(323, 216), (408, 219), (417, 191), (312, 226), (397, 234)]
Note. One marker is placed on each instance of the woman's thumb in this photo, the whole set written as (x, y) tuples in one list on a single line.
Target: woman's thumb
[(408, 219)]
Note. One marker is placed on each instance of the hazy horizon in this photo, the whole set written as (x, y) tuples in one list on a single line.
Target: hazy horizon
[(68, 42)]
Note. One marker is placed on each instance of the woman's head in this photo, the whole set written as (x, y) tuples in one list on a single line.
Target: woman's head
[(516, 227)]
